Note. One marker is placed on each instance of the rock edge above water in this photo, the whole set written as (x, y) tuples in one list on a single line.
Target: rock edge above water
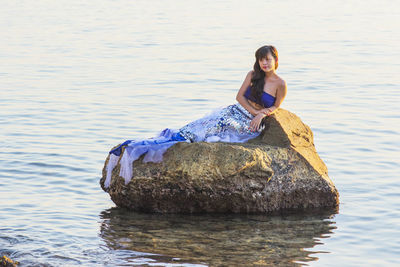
[(7, 262)]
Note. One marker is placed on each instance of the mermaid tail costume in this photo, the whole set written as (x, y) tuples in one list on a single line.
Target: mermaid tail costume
[(229, 124)]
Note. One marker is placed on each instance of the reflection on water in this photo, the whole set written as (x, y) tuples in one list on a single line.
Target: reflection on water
[(219, 239)]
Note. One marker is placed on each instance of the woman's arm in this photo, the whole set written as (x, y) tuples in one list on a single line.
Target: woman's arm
[(280, 95), (242, 99)]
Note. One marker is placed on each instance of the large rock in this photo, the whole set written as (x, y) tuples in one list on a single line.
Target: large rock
[(280, 169)]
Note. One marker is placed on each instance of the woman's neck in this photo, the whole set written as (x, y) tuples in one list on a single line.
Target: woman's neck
[(269, 74)]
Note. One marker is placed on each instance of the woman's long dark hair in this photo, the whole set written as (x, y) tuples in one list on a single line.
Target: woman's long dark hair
[(258, 78)]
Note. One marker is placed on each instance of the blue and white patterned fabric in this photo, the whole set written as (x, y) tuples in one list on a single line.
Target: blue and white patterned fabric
[(229, 124)]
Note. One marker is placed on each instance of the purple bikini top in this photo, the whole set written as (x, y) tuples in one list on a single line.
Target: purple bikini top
[(267, 99)]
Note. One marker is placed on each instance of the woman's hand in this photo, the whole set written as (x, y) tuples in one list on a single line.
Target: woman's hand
[(256, 121), (265, 111)]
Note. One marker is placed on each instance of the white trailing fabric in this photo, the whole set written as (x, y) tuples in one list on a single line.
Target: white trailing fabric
[(154, 148), (229, 124), (126, 166), (154, 152), (112, 162)]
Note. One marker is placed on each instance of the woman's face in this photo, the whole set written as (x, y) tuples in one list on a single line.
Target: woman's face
[(268, 63)]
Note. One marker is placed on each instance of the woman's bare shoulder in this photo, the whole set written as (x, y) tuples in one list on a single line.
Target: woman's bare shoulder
[(281, 82), (249, 76)]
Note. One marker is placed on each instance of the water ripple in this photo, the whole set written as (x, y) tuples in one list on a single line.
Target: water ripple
[(82, 84)]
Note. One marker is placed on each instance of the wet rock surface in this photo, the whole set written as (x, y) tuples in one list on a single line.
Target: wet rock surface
[(7, 262), (278, 170)]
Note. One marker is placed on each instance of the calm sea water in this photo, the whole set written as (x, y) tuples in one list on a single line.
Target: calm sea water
[(79, 77)]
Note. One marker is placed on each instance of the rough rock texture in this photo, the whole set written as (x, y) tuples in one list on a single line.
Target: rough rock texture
[(7, 262), (280, 169)]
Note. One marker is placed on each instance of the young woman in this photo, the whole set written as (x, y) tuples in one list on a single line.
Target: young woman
[(261, 93)]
